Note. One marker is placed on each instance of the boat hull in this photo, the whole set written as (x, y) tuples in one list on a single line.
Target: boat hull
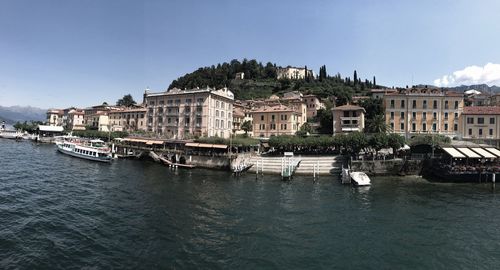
[(73, 154)]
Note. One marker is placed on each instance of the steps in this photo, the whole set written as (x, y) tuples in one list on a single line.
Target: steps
[(328, 165)]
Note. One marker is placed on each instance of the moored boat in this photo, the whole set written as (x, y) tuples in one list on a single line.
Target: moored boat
[(360, 179), (10, 134), (94, 150)]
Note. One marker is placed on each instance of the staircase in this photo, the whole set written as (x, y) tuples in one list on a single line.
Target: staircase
[(328, 165)]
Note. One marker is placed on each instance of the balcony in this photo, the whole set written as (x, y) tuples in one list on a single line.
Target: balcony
[(352, 118), (350, 127)]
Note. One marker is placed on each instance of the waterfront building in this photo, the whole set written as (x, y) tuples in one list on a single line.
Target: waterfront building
[(182, 114), (55, 117), (313, 104), (348, 118), (293, 73), (74, 119), (480, 124), (96, 117), (241, 113), (423, 110), (128, 119), (275, 121)]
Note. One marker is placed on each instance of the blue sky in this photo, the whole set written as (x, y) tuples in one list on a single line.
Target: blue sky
[(81, 53)]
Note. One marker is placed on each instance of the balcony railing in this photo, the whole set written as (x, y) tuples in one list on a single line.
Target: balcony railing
[(350, 118)]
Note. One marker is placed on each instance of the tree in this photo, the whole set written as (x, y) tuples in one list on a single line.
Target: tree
[(355, 77), (246, 126), (379, 141), (325, 121), (126, 101), (355, 142), (373, 107), (376, 125), (374, 82), (395, 141)]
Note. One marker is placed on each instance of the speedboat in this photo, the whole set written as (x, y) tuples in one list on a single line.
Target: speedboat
[(94, 150), (360, 179), (10, 134)]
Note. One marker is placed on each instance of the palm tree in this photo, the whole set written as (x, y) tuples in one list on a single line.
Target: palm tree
[(377, 125)]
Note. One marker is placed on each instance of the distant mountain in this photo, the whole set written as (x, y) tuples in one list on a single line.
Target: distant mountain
[(484, 88), (20, 113)]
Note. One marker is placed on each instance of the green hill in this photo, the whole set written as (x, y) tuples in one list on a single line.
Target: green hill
[(260, 81)]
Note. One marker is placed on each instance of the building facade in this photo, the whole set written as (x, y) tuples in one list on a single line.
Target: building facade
[(182, 114), (55, 117), (481, 124), (293, 73), (275, 120), (413, 111), (128, 119), (74, 119), (348, 118), (241, 114)]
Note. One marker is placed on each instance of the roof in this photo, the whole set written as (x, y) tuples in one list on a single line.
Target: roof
[(278, 108), (348, 107), (206, 145), (483, 153), (494, 151), (50, 128), (480, 110)]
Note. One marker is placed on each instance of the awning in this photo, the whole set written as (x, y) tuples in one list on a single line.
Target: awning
[(204, 145), (220, 146), (483, 152), (190, 144), (147, 142), (453, 152), (469, 153), (493, 151)]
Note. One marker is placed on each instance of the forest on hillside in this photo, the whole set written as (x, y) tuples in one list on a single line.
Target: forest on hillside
[(260, 81)]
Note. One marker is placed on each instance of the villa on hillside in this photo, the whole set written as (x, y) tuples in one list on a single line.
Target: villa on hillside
[(348, 118)]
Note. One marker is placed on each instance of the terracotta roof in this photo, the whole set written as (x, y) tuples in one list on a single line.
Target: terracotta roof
[(238, 112), (482, 110), (348, 108)]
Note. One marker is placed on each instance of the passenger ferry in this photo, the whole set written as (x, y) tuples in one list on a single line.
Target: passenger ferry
[(94, 150)]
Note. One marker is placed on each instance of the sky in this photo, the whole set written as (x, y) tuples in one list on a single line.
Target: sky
[(56, 54)]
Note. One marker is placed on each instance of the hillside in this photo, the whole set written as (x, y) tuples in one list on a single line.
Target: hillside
[(19, 113), (260, 81)]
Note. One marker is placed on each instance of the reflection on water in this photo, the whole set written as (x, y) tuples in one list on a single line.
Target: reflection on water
[(59, 212)]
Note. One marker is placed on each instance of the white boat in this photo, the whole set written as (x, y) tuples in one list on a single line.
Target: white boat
[(10, 134), (94, 150), (360, 179)]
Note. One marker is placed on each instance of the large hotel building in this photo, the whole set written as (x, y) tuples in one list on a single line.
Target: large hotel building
[(423, 110), (182, 114)]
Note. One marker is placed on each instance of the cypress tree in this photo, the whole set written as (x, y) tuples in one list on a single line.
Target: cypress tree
[(355, 79), (374, 82)]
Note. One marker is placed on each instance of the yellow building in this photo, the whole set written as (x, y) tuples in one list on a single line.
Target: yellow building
[(348, 118), (241, 114), (181, 114), (423, 110), (128, 119), (481, 124), (275, 121)]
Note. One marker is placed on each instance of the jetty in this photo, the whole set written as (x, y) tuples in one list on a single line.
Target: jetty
[(315, 166)]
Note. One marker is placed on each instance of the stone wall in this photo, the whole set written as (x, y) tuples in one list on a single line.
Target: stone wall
[(209, 162), (388, 167)]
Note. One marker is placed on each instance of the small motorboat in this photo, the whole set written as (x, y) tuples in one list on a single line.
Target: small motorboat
[(360, 179), (241, 168)]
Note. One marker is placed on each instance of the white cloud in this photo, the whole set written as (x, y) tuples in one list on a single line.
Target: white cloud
[(489, 74)]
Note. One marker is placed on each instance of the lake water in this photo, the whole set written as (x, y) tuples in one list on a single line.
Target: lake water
[(60, 212)]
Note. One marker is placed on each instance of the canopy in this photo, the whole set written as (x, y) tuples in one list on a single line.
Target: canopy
[(50, 128), (453, 152), (483, 153), (206, 145), (469, 153), (493, 151)]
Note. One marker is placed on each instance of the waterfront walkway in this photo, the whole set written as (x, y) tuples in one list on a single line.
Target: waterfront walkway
[(326, 165)]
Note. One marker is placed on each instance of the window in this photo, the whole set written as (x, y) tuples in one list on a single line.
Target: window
[(413, 127), (446, 105), (435, 104), (492, 120), (272, 117), (187, 121), (217, 123), (402, 115), (402, 126), (221, 123), (491, 132), (470, 120), (414, 115), (217, 104), (414, 105), (424, 127), (392, 126), (424, 116), (446, 127), (445, 115), (480, 120), (392, 103), (216, 113), (456, 105), (434, 127), (402, 104), (455, 127), (480, 132), (434, 115), (392, 115), (424, 104), (470, 131), (262, 118)]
